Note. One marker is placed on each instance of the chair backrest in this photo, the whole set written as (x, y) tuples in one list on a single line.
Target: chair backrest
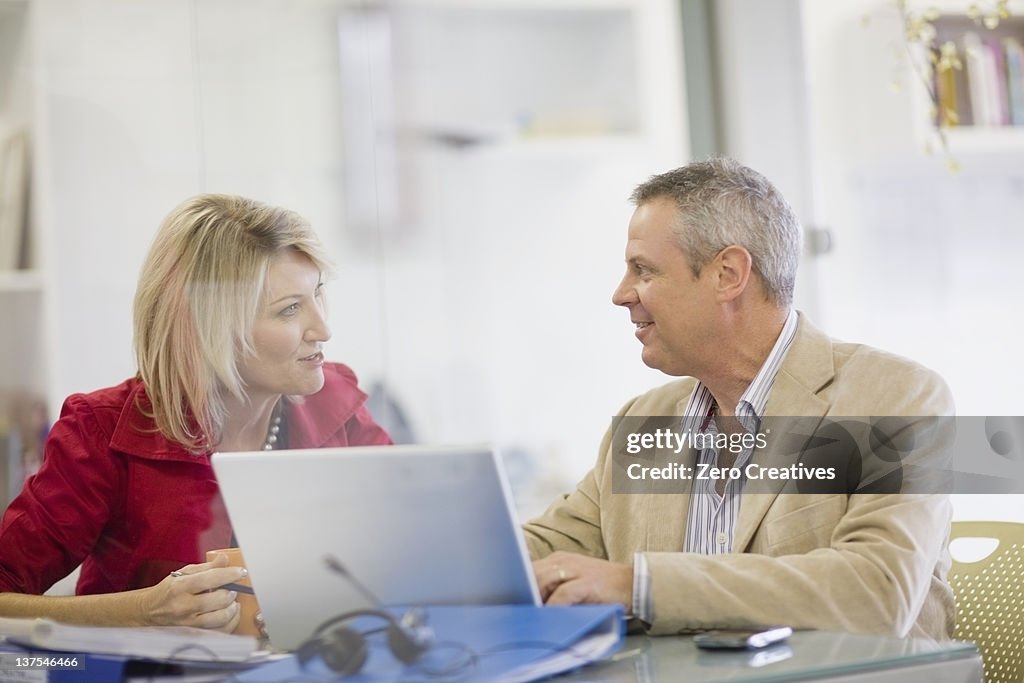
[(990, 598)]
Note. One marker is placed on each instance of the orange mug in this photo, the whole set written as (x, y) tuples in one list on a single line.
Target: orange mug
[(250, 607)]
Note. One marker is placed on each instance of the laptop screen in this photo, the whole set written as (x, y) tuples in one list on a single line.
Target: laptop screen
[(415, 525)]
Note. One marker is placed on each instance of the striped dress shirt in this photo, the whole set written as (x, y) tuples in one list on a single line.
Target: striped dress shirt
[(711, 520)]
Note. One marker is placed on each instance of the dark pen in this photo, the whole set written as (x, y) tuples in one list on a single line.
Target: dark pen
[(238, 588)]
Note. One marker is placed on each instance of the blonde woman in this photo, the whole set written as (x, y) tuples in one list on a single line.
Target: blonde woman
[(229, 327)]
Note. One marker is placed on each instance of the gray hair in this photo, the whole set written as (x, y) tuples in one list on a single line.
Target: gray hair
[(720, 203)]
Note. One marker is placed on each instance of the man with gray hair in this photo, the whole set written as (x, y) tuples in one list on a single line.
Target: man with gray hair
[(711, 260)]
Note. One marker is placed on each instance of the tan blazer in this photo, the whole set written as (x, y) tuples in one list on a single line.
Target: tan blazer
[(860, 563)]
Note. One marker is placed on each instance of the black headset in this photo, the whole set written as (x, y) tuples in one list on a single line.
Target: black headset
[(344, 649)]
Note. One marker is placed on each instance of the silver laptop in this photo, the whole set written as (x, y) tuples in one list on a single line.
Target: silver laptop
[(415, 525)]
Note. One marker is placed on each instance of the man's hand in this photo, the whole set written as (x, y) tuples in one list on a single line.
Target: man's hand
[(571, 579)]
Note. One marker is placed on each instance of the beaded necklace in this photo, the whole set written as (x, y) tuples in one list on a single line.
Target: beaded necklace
[(275, 427)]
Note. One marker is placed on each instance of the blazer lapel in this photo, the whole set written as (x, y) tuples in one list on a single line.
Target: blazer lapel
[(793, 408)]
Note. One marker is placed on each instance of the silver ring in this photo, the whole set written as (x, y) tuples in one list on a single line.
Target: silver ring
[(562, 576), (177, 572)]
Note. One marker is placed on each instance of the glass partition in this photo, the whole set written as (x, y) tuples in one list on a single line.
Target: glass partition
[(467, 164)]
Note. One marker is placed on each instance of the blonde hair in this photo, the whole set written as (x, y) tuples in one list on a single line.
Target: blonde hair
[(199, 292)]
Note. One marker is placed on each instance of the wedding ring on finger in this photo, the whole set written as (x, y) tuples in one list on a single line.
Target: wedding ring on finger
[(177, 572), (562, 576)]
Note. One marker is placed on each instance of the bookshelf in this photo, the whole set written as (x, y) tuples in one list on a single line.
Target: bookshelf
[(23, 366), (986, 92), (15, 146), (14, 135)]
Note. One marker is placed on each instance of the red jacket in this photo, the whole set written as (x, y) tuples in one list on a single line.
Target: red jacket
[(128, 504)]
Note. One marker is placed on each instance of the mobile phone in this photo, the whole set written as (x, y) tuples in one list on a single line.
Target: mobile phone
[(742, 639)]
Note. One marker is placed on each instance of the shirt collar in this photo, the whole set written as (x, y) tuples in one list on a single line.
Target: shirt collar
[(136, 433), (756, 395), (701, 407)]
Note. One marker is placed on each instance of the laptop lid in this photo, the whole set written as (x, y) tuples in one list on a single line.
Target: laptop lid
[(415, 525)]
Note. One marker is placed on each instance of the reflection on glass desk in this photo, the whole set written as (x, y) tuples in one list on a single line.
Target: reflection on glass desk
[(807, 655)]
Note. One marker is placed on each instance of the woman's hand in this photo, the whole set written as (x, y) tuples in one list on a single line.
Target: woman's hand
[(192, 596)]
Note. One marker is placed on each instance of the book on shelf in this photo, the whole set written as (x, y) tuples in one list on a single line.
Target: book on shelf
[(1015, 79), (948, 97), (162, 643), (965, 114), (1000, 102), (981, 80), (949, 79)]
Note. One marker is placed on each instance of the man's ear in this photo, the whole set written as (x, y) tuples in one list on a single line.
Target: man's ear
[(733, 265)]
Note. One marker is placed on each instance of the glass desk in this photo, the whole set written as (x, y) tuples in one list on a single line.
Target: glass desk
[(807, 655)]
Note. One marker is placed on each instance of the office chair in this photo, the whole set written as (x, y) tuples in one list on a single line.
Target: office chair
[(990, 599)]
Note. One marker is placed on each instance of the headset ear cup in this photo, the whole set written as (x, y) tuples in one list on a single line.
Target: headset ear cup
[(309, 649), (403, 645), (344, 650)]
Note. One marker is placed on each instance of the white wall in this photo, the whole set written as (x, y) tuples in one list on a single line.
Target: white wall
[(118, 149)]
